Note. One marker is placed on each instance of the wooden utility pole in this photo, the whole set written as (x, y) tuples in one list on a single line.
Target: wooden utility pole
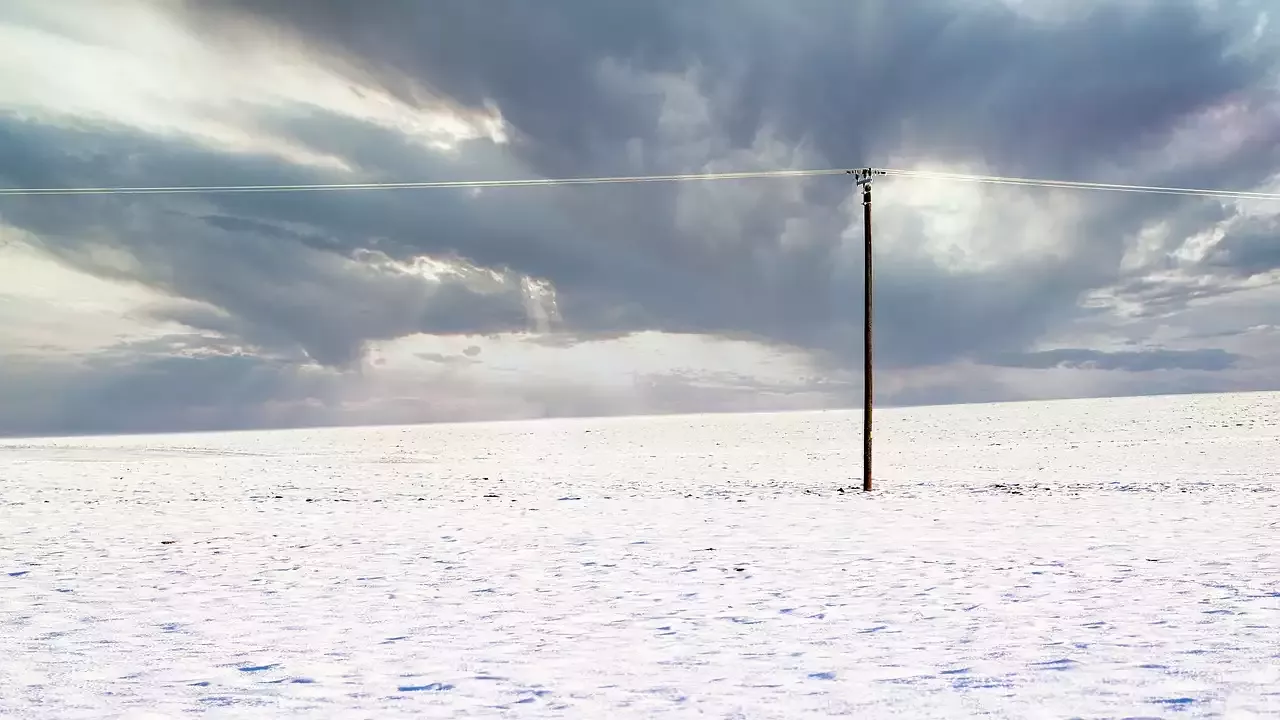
[(863, 178)]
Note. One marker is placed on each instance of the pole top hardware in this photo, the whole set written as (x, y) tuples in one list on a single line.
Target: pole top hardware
[(864, 176)]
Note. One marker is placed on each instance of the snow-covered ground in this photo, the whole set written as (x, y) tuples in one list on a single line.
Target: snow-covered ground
[(1103, 558)]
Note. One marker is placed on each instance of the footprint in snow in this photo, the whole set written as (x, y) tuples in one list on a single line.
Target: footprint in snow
[(429, 687), (1060, 664)]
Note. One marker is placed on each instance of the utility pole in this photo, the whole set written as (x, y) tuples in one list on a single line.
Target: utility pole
[(863, 178)]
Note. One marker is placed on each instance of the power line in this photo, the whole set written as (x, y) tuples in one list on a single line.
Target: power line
[(1077, 185), (435, 184), (628, 179)]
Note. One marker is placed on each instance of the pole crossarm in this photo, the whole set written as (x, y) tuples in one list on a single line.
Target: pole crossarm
[(864, 176)]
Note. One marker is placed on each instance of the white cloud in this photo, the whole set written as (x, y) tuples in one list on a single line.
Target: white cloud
[(46, 307), (604, 364), (134, 62)]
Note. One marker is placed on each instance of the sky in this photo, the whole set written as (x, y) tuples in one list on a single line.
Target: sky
[(145, 313)]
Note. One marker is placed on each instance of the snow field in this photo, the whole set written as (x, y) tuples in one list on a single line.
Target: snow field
[(1110, 558)]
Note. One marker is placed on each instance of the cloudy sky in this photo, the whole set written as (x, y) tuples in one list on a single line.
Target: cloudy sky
[(140, 313)]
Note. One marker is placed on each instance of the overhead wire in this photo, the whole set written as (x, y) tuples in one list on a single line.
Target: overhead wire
[(1080, 185), (427, 185), (629, 179)]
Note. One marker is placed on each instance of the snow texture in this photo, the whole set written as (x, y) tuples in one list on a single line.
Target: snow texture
[(1102, 558)]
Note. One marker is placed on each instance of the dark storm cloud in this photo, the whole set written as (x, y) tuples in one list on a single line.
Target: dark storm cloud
[(1125, 360), (848, 81), (635, 86), (318, 288), (851, 77), (149, 389), (1250, 248)]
